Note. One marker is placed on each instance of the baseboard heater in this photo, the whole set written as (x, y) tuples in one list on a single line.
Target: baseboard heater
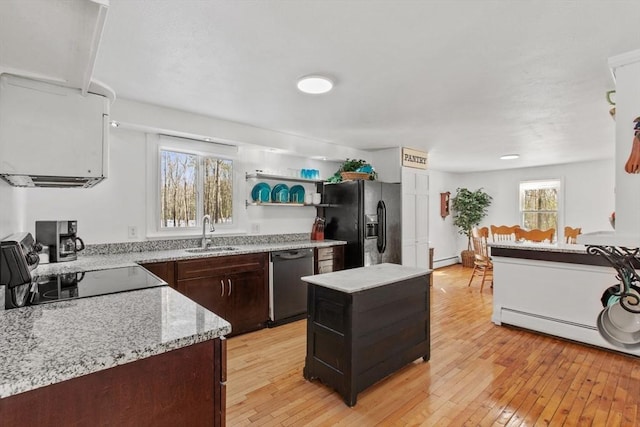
[(577, 332), (518, 316), (451, 258), (443, 262)]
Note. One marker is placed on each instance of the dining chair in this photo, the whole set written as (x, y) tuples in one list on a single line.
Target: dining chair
[(480, 232), (504, 233), (536, 235), (571, 234), (482, 265)]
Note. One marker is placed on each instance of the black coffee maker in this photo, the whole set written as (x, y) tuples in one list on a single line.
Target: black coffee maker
[(61, 238)]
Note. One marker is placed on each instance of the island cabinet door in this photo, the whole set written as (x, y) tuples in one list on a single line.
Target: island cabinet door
[(210, 292), (248, 308)]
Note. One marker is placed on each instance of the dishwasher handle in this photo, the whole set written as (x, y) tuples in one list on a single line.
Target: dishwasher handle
[(291, 255)]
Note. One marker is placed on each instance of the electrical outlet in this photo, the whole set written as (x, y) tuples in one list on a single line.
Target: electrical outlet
[(132, 232)]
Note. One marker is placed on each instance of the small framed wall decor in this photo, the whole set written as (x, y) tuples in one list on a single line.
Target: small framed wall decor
[(444, 204)]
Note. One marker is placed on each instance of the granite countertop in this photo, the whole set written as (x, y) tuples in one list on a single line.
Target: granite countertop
[(545, 247), (104, 261), (360, 279), (49, 343)]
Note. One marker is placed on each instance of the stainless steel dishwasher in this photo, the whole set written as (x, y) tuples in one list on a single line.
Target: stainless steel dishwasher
[(287, 293)]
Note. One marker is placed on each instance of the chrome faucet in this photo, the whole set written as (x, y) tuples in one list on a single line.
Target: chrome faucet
[(204, 230)]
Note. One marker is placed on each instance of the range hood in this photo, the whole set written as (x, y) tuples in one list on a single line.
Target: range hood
[(50, 135), (625, 69)]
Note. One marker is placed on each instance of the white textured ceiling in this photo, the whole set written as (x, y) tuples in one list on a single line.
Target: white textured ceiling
[(465, 80)]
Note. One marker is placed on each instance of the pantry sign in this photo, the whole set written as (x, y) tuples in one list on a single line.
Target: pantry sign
[(413, 158)]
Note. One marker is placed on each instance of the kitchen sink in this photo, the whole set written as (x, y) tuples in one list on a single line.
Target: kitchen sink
[(211, 249)]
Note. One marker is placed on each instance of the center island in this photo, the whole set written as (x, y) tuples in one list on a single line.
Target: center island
[(364, 324)]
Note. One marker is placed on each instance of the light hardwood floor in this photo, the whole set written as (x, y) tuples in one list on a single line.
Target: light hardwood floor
[(479, 374)]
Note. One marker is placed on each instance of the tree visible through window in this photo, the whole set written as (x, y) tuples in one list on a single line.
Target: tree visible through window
[(191, 186), (539, 204), (218, 189)]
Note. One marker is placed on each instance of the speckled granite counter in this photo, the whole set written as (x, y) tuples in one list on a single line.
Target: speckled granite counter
[(50, 343), (360, 279), (543, 247), (560, 252), (104, 261)]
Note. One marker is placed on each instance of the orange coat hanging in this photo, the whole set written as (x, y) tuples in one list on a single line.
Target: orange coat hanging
[(633, 164)]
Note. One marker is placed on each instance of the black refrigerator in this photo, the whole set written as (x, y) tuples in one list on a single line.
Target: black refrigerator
[(367, 215)]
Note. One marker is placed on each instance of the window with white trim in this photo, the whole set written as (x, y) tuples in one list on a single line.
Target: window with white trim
[(192, 179), (539, 203)]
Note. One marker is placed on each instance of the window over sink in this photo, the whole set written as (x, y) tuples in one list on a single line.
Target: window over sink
[(189, 179)]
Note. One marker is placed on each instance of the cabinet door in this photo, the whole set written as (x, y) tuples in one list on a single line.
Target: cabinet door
[(209, 292), (164, 270), (248, 295)]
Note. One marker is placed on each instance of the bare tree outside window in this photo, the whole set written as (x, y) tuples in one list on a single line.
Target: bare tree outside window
[(180, 179), (218, 189), (539, 204)]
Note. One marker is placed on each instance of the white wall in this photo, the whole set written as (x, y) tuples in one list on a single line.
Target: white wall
[(105, 211), (588, 193), (275, 219), (10, 207), (442, 233)]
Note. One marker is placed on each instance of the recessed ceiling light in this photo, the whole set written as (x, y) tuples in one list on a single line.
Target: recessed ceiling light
[(207, 139), (510, 157), (315, 84)]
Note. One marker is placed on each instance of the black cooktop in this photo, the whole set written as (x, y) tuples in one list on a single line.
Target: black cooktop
[(66, 286)]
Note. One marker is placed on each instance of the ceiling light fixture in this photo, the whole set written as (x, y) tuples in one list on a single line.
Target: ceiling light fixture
[(510, 157), (315, 84), (114, 124), (207, 139)]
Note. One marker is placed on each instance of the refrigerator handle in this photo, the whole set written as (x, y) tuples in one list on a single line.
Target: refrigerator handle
[(382, 227)]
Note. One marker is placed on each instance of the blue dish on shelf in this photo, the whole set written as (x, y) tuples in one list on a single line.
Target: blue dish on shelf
[(280, 193), (296, 194), (261, 192)]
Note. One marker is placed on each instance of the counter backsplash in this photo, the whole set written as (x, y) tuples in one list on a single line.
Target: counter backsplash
[(171, 244)]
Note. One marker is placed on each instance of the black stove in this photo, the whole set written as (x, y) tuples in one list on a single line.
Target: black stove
[(18, 263), (65, 286)]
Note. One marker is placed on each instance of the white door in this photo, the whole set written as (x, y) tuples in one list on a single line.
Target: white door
[(415, 217)]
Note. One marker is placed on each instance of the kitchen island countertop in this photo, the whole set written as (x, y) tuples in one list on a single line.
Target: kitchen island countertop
[(362, 278)]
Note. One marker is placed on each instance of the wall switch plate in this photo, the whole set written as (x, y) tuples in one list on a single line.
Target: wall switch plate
[(132, 232)]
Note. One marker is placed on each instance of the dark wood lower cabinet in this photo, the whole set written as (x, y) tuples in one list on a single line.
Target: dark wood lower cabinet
[(234, 287), (356, 339), (180, 387), (166, 270)]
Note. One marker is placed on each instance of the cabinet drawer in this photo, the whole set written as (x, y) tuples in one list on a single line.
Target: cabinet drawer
[(220, 265), (325, 266), (325, 253)]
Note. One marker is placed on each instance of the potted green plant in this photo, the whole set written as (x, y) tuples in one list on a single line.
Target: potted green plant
[(469, 208), (354, 169)]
